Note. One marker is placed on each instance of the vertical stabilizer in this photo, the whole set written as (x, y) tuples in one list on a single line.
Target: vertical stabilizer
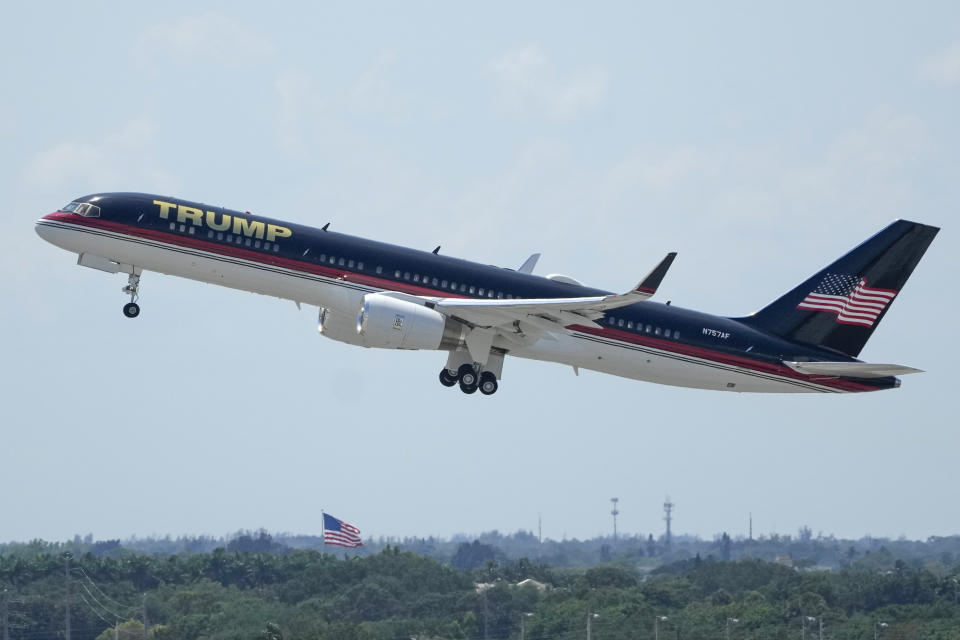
[(839, 307)]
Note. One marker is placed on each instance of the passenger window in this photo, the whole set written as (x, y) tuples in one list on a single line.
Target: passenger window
[(341, 262), (629, 324), (266, 246), (323, 257), (434, 282), (406, 275), (350, 264), (490, 293), (480, 292), (332, 260), (611, 320), (443, 284), (499, 295), (620, 322), (256, 245), (248, 242), (676, 335), (379, 269), (220, 235), (666, 333), (276, 248), (473, 290), (209, 234), (190, 231), (648, 328), (453, 286), (656, 331), (359, 266), (416, 277), (183, 228), (396, 274), (229, 237), (463, 288)]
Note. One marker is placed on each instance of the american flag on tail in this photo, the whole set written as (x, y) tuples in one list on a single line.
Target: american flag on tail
[(849, 298), (338, 532)]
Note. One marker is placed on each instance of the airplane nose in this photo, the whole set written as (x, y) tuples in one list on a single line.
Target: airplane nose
[(43, 229)]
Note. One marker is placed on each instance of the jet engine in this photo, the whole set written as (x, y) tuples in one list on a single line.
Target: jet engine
[(386, 322), (341, 327)]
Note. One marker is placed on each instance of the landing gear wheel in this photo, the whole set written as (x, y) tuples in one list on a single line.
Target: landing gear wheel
[(468, 378), (447, 378), (488, 383), (132, 309)]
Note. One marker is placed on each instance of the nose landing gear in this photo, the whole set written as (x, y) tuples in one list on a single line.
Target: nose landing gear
[(132, 309)]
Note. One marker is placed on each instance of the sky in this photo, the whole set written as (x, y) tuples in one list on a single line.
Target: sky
[(761, 142)]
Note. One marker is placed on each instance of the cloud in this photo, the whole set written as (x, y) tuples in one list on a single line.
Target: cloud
[(943, 68), (528, 82), (299, 105), (209, 36), (119, 158)]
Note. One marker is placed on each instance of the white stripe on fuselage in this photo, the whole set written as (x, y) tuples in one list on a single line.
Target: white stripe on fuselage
[(639, 362)]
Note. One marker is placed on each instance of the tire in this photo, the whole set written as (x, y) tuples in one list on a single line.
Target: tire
[(447, 379), (467, 376), (488, 383), (131, 309), (468, 390)]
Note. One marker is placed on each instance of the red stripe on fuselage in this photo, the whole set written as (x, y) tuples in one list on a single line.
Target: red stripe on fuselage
[(392, 285)]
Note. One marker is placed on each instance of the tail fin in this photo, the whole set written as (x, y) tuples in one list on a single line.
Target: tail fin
[(839, 307)]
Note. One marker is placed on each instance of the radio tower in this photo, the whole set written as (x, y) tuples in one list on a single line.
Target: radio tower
[(667, 509), (614, 513)]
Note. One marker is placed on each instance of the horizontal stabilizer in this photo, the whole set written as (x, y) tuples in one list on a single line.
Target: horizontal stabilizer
[(851, 369)]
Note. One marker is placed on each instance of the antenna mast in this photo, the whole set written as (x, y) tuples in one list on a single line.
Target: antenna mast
[(668, 517), (614, 512)]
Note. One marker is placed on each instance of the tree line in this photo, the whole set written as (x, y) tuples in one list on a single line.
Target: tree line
[(395, 594)]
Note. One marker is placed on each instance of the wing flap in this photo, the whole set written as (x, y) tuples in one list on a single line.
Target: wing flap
[(851, 369)]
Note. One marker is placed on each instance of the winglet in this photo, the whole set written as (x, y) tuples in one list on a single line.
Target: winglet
[(649, 284), (529, 264)]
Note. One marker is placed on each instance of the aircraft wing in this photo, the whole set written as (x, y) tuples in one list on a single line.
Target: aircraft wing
[(549, 314), (852, 369)]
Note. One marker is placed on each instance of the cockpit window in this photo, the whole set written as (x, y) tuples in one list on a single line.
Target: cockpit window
[(84, 209)]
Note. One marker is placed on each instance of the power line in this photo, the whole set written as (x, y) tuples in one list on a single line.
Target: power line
[(97, 613), (117, 616), (101, 592)]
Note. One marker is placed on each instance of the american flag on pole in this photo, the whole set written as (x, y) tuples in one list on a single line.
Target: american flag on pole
[(850, 298), (338, 532)]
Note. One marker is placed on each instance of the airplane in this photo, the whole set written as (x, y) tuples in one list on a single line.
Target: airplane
[(373, 294)]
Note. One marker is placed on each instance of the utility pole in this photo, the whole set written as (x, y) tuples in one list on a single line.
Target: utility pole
[(614, 512), (539, 536), (3, 614), (66, 573), (590, 617), (146, 621), (486, 617)]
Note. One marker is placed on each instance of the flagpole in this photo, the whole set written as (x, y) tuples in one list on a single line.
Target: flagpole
[(323, 530)]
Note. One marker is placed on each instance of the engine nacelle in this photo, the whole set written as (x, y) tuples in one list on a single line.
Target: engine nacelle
[(341, 327), (390, 323)]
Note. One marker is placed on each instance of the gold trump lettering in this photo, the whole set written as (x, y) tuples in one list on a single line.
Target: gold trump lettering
[(223, 221)]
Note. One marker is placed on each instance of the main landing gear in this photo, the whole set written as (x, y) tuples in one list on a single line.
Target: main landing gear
[(470, 380), (132, 309)]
